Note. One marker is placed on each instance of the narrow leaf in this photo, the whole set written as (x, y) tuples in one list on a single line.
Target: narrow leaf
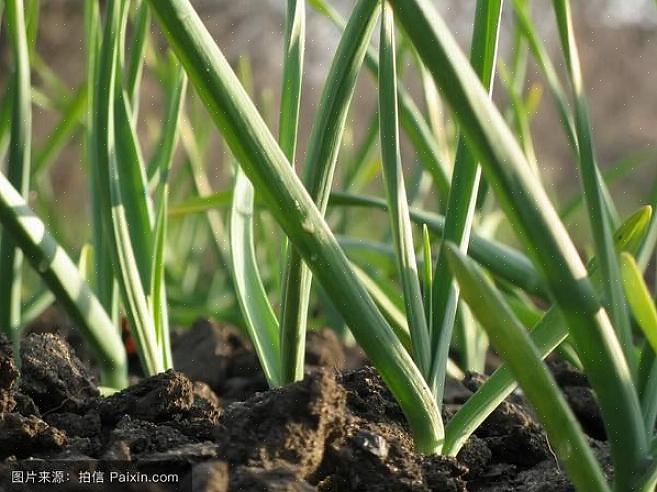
[(514, 345)]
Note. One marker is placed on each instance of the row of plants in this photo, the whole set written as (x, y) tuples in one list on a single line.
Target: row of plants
[(424, 299)]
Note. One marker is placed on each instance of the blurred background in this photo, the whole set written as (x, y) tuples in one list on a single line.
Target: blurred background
[(617, 41)]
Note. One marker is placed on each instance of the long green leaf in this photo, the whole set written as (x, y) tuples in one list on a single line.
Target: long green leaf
[(416, 127), (295, 305), (201, 204), (396, 192), (133, 187), (515, 346), (319, 167), (111, 195), (282, 191), (537, 223), (167, 146), (295, 33), (63, 278), (462, 199), (11, 258), (135, 65), (260, 319), (594, 194), (546, 335), (104, 283), (639, 299), (504, 261)]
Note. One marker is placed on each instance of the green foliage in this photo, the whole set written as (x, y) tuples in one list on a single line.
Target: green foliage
[(433, 276)]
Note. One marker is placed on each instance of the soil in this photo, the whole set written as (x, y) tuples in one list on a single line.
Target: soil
[(217, 427)]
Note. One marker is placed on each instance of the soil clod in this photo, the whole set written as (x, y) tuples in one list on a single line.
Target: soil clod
[(53, 376), (22, 436), (161, 397), (8, 375)]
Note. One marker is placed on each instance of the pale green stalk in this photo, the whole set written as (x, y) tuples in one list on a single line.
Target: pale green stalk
[(515, 346), (18, 170), (129, 272), (536, 222), (63, 278), (396, 193), (594, 194), (280, 189), (294, 311), (319, 168), (462, 200)]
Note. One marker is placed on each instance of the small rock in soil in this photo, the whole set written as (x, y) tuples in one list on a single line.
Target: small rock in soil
[(283, 427), (372, 443), (145, 437), (25, 405), (323, 349), (8, 375), (220, 356), (584, 404), (513, 436), (27, 436), (251, 479), (369, 398), (211, 476), (565, 373), (87, 425), (475, 455), (159, 398), (53, 376)]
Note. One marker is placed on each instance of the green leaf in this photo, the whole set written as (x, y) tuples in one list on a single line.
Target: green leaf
[(515, 346), (295, 298), (285, 196), (396, 193), (61, 275), (135, 64), (130, 274), (261, 322), (104, 283), (201, 204), (319, 168), (164, 160), (417, 129), (537, 224), (462, 199), (639, 299), (18, 168), (133, 188), (504, 261), (548, 333), (295, 34), (596, 196)]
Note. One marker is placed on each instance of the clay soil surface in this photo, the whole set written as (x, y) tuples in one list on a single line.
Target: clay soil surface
[(214, 425)]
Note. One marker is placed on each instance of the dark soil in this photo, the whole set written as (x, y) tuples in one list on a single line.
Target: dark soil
[(217, 427)]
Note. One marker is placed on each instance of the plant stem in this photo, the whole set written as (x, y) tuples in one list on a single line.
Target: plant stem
[(280, 188), (462, 200), (11, 258), (294, 310)]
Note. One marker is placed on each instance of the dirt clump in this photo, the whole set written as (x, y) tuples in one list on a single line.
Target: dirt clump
[(53, 377), (333, 431)]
